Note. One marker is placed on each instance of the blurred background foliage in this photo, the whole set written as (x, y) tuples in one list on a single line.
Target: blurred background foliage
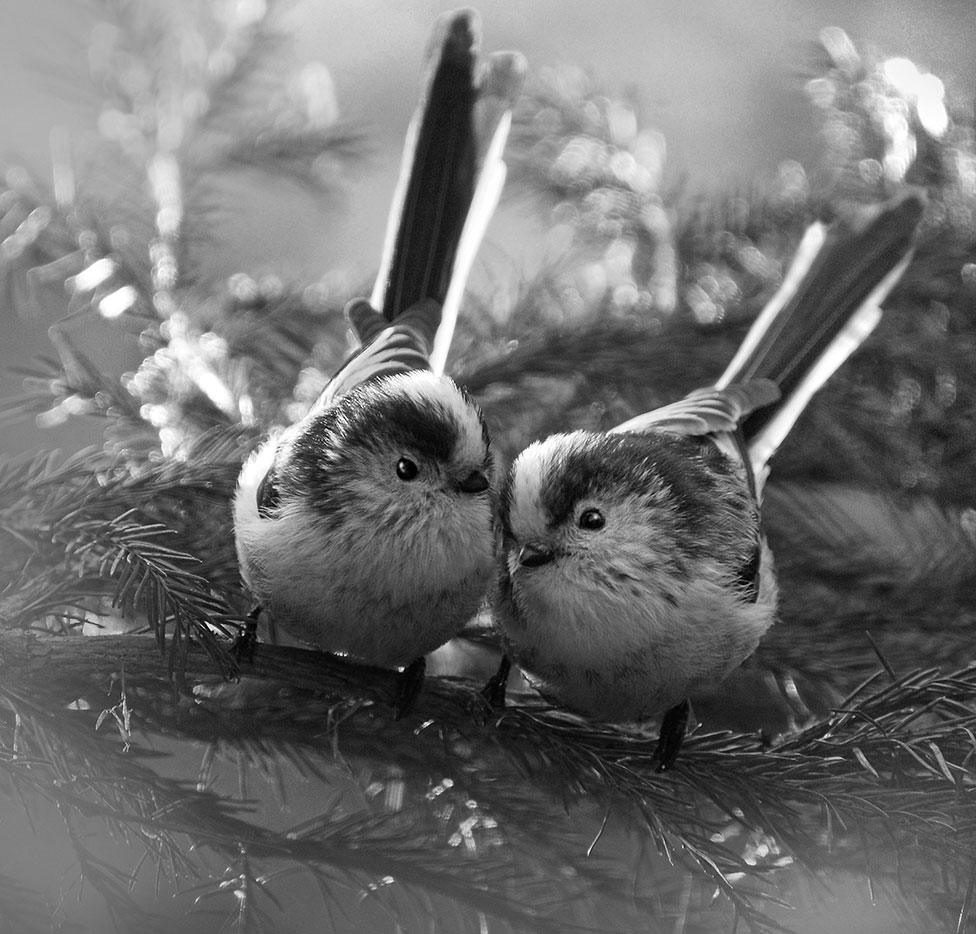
[(643, 291)]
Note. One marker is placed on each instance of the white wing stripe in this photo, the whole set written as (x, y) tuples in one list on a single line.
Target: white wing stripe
[(396, 210), (806, 253), (483, 203), (852, 335)]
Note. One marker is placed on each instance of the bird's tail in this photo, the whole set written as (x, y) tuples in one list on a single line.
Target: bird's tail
[(451, 176), (828, 304)]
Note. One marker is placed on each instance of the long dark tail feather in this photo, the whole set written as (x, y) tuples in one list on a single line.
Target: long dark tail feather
[(439, 163), (451, 178), (828, 304)]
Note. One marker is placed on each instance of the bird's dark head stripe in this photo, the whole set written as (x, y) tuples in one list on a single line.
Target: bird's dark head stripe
[(748, 575), (611, 465), (485, 434), (688, 478), (416, 425), (691, 500), (505, 508), (370, 421), (373, 417)]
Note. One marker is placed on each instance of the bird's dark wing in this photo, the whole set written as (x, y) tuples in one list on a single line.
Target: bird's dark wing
[(388, 348), (707, 411), (715, 416)]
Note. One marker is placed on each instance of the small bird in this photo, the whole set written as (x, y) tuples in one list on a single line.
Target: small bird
[(635, 570), (367, 528)]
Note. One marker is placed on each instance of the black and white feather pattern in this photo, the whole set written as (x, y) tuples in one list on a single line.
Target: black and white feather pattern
[(451, 177), (828, 304)]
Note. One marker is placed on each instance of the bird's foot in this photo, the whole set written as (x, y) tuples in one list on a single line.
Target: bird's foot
[(671, 736), (409, 685), (247, 639), (494, 691)]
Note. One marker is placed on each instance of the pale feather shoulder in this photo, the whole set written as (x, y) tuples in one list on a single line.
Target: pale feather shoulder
[(706, 411), (387, 349)]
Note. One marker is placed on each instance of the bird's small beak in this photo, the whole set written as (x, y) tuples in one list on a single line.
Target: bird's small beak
[(534, 556), (474, 482)]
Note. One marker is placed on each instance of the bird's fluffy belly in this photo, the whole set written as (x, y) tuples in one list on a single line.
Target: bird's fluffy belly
[(633, 654), (386, 608), (339, 618)]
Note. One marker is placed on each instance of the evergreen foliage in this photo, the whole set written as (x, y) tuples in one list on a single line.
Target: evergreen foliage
[(842, 751)]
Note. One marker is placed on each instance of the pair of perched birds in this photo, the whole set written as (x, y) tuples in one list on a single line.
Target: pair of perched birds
[(628, 568)]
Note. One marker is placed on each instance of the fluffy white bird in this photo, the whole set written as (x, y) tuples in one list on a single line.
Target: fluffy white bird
[(368, 528), (635, 568)]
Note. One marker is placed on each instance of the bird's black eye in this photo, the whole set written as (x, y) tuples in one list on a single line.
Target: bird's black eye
[(406, 469), (591, 519)]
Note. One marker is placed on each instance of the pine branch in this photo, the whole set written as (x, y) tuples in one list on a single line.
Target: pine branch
[(647, 294), (853, 561), (37, 243), (881, 780), (55, 391), (298, 156), (132, 263), (352, 848), (88, 525)]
